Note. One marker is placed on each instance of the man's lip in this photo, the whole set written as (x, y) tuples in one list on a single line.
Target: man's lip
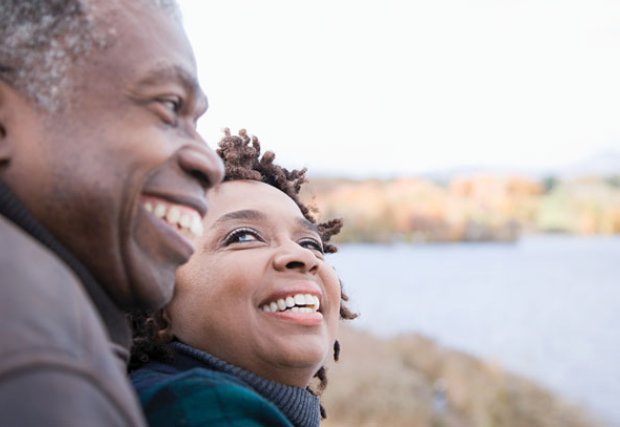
[(182, 218), (182, 245), (199, 204)]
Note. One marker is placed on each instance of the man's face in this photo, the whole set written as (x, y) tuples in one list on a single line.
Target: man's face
[(101, 173), (257, 292)]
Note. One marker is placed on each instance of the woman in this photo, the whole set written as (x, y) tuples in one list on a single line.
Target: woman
[(255, 310)]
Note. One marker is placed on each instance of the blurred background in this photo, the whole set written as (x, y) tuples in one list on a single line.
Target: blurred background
[(473, 148)]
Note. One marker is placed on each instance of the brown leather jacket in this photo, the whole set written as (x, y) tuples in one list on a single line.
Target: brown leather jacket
[(58, 364)]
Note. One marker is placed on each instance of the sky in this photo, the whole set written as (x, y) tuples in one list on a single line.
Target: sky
[(400, 87)]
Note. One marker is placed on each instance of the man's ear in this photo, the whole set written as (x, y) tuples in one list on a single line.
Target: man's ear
[(5, 145)]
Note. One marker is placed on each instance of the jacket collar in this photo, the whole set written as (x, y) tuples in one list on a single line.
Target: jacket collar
[(300, 406)]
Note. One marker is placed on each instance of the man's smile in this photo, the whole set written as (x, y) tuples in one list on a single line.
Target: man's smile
[(186, 220)]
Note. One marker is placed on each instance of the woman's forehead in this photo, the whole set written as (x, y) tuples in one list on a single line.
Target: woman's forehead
[(248, 195)]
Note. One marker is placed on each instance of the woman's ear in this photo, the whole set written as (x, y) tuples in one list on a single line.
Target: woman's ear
[(164, 327)]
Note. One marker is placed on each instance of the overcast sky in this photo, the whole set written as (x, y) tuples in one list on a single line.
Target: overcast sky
[(389, 87)]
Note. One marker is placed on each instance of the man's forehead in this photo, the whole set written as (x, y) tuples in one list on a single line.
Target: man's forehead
[(148, 42), (107, 15), (139, 43), (97, 6)]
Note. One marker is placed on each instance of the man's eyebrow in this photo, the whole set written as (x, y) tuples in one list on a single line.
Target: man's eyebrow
[(179, 74), (305, 223), (245, 214)]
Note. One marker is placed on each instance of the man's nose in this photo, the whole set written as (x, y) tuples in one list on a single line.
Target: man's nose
[(202, 163)]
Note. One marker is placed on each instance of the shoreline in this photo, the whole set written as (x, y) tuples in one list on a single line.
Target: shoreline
[(410, 380)]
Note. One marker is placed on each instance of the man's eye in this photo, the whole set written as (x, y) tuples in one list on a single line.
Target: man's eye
[(242, 236), (311, 244), (172, 105)]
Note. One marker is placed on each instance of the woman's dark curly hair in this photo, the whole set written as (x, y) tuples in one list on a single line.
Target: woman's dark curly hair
[(242, 161)]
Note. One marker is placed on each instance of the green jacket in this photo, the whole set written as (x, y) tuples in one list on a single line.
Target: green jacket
[(196, 389)]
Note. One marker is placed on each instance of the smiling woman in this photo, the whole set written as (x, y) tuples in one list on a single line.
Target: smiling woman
[(255, 311)]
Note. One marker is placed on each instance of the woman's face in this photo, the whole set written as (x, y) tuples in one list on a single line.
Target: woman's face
[(258, 257)]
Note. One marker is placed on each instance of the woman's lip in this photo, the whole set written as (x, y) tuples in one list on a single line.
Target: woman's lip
[(305, 319), (298, 287), (294, 303)]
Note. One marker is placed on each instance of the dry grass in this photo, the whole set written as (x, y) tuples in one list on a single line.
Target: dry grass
[(411, 381)]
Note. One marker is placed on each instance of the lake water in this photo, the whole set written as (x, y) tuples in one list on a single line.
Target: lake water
[(546, 307)]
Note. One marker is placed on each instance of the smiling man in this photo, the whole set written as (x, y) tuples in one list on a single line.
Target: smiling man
[(102, 191)]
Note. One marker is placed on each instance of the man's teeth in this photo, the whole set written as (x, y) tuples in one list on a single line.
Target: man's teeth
[(186, 220), (302, 303)]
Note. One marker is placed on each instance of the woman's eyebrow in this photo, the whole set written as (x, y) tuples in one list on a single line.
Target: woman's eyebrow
[(254, 215), (309, 225), (245, 214)]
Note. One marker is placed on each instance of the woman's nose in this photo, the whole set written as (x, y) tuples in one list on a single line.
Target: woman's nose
[(292, 256)]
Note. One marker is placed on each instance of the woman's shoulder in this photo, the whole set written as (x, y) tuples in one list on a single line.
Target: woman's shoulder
[(155, 375), (201, 396)]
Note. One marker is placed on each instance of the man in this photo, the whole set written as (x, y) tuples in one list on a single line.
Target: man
[(102, 181)]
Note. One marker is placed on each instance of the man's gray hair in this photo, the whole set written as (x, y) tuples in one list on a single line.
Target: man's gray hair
[(41, 39)]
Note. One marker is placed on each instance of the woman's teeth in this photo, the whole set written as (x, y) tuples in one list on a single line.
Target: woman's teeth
[(186, 220), (303, 303)]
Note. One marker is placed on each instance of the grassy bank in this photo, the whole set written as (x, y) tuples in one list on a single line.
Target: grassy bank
[(412, 381)]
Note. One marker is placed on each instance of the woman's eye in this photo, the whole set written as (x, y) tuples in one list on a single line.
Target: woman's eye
[(242, 236), (311, 244)]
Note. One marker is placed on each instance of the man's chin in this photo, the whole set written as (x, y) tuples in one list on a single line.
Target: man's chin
[(151, 290), (151, 272)]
